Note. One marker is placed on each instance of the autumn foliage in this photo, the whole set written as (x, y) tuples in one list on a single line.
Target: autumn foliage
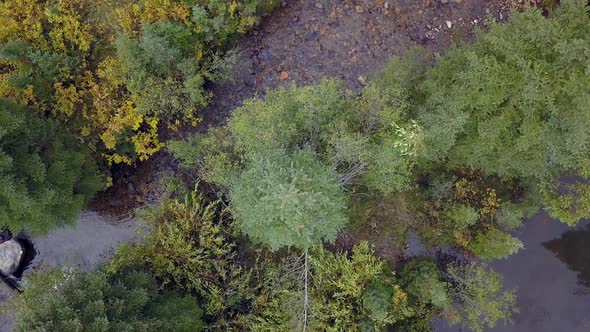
[(115, 73)]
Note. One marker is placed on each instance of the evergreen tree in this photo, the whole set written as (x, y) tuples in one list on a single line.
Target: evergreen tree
[(516, 104), (46, 177), (285, 200), (72, 300)]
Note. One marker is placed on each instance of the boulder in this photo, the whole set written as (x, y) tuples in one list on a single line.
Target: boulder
[(10, 255)]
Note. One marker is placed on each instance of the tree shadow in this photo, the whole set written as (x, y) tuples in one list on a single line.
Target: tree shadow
[(573, 249)]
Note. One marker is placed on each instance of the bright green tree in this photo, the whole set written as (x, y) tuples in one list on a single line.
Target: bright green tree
[(478, 297), (46, 176), (72, 300)]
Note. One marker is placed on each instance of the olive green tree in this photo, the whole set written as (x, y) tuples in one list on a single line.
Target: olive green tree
[(478, 296)]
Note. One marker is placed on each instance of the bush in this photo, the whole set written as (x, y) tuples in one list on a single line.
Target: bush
[(461, 215), (46, 177), (73, 300), (493, 244), (191, 245), (424, 283)]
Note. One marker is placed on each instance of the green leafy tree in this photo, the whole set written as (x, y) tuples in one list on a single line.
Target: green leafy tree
[(515, 103), (478, 297), (365, 140), (72, 300), (46, 176), (422, 279), (349, 292)]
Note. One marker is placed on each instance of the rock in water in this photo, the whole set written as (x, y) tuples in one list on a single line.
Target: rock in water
[(10, 255)]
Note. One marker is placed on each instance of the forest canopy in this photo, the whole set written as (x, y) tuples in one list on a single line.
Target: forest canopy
[(265, 227)]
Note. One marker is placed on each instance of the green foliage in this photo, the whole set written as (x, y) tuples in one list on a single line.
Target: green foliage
[(191, 245), (358, 136), (46, 177), (73, 300), (288, 200), (461, 215), (479, 299), (569, 202), (161, 70), (493, 243), (347, 293), (510, 215), (287, 159), (377, 300), (515, 103), (424, 283)]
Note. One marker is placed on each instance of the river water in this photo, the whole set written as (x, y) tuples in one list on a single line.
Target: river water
[(551, 275), (91, 241)]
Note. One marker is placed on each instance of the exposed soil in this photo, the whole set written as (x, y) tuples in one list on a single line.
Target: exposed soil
[(134, 186), (308, 40)]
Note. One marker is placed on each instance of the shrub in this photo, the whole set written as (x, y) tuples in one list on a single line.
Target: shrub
[(493, 243), (424, 283), (461, 215), (191, 245)]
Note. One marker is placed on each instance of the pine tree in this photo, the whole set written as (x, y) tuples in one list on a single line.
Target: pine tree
[(46, 176)]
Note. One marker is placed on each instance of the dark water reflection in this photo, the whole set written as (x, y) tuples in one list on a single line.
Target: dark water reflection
[(573, 249), (551, 275)]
